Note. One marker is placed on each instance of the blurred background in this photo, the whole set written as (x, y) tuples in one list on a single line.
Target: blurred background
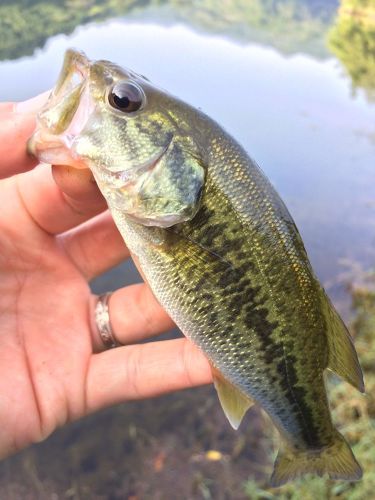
[(294, 82)]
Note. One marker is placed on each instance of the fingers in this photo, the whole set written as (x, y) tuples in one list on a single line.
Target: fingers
[(17, 123), (60, 201), (95, 246), (143, 371), (55, 203), (135, 315), (32, 105), (6, 107)]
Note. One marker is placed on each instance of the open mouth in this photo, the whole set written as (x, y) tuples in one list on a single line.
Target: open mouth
[(65, 114)]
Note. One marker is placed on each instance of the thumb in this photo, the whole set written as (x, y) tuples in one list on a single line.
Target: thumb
[(17, 123)]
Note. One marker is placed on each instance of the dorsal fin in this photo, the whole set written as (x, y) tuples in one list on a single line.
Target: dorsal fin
[(234, 402), (342, 356)]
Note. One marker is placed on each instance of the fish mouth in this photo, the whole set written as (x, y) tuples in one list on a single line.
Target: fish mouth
[(48, 148), (64, 115)]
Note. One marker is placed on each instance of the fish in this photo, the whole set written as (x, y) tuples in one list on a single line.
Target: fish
[(219, 249)]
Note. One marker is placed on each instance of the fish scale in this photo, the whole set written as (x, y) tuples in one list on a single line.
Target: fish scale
[(237, 332), (220, 251)]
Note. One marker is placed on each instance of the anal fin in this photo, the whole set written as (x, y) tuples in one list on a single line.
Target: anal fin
[(234, 402)]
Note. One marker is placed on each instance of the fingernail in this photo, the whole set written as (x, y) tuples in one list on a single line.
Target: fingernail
[(32, 105)]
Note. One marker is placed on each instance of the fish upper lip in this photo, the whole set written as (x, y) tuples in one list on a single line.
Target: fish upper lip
[(128, 176)]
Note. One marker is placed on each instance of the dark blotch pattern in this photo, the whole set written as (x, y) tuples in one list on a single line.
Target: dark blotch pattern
[(232, 269)]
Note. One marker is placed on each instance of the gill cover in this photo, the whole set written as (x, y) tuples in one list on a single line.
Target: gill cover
[(164, 191), (170, 192)]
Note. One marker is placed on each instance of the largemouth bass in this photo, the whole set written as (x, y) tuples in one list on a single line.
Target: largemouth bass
[(218, 248)]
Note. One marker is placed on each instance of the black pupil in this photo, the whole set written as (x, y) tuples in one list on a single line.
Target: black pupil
[(121, 101), (125, 97)]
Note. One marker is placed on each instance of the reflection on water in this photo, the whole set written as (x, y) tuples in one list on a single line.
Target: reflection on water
[(295, 115), (352, 40), (289, 25)]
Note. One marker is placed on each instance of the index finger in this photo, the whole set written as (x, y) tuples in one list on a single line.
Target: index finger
[(17, 123)]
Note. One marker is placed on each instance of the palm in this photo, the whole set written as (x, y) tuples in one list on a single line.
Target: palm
[(51, 368), (44, 301)]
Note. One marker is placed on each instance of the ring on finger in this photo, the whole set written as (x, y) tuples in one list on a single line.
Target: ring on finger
[(103, 322)]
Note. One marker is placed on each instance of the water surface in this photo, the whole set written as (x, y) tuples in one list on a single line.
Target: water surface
[(296, 114)]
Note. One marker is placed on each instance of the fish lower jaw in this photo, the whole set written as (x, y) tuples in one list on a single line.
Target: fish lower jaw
[(57, 157), (52, 150)]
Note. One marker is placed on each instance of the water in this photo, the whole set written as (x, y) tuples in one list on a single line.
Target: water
[(283, 95), (296, 115)]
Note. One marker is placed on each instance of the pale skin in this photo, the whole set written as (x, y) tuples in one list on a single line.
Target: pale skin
[(55, 236)]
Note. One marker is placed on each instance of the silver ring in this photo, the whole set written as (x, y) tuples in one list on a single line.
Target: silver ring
[(103, 322)]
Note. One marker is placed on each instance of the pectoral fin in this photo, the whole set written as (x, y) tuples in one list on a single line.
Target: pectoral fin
[(234, 402)]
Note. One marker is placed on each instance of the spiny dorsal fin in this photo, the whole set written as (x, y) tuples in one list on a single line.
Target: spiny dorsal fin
[(234, 403), (342, 356)]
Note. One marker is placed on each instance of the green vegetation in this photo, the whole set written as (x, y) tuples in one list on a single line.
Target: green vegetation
[(353, 413), (352, 40), (26, 25), (289, 25)]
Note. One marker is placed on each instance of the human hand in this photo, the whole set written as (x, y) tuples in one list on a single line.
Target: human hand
[(55, 236)]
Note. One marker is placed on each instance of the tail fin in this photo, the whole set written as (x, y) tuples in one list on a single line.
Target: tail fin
[(336, 460)]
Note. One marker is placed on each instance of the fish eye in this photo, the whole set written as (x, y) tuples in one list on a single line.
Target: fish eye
[(126, 97)]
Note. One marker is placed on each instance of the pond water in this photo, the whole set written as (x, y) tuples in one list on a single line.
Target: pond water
[(275, 86), (295, 113)]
